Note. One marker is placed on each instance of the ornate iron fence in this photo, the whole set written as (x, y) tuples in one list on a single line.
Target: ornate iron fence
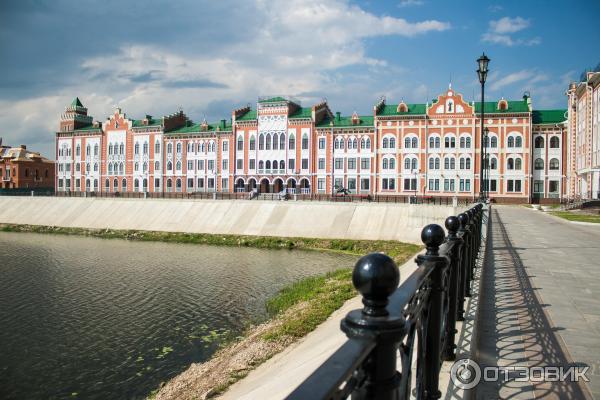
[(416, 321)]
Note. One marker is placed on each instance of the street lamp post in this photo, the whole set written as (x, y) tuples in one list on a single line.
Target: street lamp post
[(482, 71)]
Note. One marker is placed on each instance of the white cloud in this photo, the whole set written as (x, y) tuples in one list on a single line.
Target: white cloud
[(299, 47), (530, 76), (500, 31), (410, 3)]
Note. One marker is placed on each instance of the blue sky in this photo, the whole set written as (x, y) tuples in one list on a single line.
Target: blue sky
[(209, 57)]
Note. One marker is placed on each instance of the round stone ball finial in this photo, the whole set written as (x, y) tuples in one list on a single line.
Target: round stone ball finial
[(452, 224), (463, 219), (433, 236), (376, 277)]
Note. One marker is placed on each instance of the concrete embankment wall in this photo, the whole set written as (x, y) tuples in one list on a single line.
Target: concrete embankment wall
[(371, 221)]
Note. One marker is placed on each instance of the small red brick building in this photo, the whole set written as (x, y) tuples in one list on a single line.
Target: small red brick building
[(22, 169)]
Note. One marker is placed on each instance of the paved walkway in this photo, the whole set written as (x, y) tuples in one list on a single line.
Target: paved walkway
[(540, 302)]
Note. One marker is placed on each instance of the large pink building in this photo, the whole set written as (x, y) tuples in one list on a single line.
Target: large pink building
[(430, 149)]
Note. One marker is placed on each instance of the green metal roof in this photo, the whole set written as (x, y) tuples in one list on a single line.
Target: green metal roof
[(140, 122), (347, 122), (491, 107), (250, 115), (391, 109), (76, 102), (302, 112), (87, 128), (276, 99), (197, 128), (548, 116)]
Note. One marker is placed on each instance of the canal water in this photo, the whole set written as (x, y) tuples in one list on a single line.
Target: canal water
[(111, 319)]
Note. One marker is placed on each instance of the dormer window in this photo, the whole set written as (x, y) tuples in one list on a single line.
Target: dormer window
[(355, 119), (502, 105), (402, 108), (449, 106)]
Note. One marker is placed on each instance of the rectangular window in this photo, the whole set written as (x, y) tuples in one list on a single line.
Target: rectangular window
[(211, 165), (446, 185), (321, 184), (224, 184), (305, 163), (321, 143), (252, 163), (339, 163), (211, 183), (338, 183), (291, 164), (190, 165), (352, 163), (365, 184), (538, 186), (321, 163), (239, 165), (201, 183), (225, 146), (68, 184), (461, 185), (156, 183), (190, 183), (493, 185), (517, 186), (384, 184), (553, 186), (467, 185), (352, 184), (365, 164), (77, 183), (388, 184)]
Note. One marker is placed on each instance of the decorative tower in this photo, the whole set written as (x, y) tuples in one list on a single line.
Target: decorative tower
[(75, 117)]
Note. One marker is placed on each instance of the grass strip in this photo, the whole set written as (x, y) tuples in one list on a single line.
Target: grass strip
[(571, 216)]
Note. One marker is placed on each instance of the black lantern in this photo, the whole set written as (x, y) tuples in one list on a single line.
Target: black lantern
[(483, 68)]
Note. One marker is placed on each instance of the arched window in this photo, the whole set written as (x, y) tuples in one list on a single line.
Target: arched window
[(554, 142), (121, 168), (145, 184), (385, 163), (386, 142), (431, 142), (431, 163), (511, 141), (178, 165), (437, 163), (261, 165), (95, 167), (268, 142), (447, 163), (362, 143), (274, 164), (169, 165), (493, 163), (156, 166), (415, 143), (268, 164), (407, 164), (95, 149), (110, 167), (145, 148), (136, 166), (145, 167), (292, 142), (461, 163), (157, 147), (169, 147), (282, 141), (392, 163), (169, 185), (178, 147), (462, 142), (88, 150), (468, 163), (539, 163), (510, 164), (275, 142), (539, 142), (136, 185), (354, 143), (240, 143), (368, 143), (77, 167), (493, 142), (468, 142), (115, 184), (518, 141), (136, 148), (110, 149), (124, 185), (78, 150), (517, 163), (121, 148), (407, 143), (203, 147), (252, 143), (178, 185), (437, 143), (414, 164), (305, 142), (281, 165), (392, 143), (554, 165)]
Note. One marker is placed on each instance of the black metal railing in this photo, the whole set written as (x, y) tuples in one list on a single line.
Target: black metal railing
[(413, 322), (214, 195)]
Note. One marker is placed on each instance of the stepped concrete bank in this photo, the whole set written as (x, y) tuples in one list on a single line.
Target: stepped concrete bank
[(368, 221)]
